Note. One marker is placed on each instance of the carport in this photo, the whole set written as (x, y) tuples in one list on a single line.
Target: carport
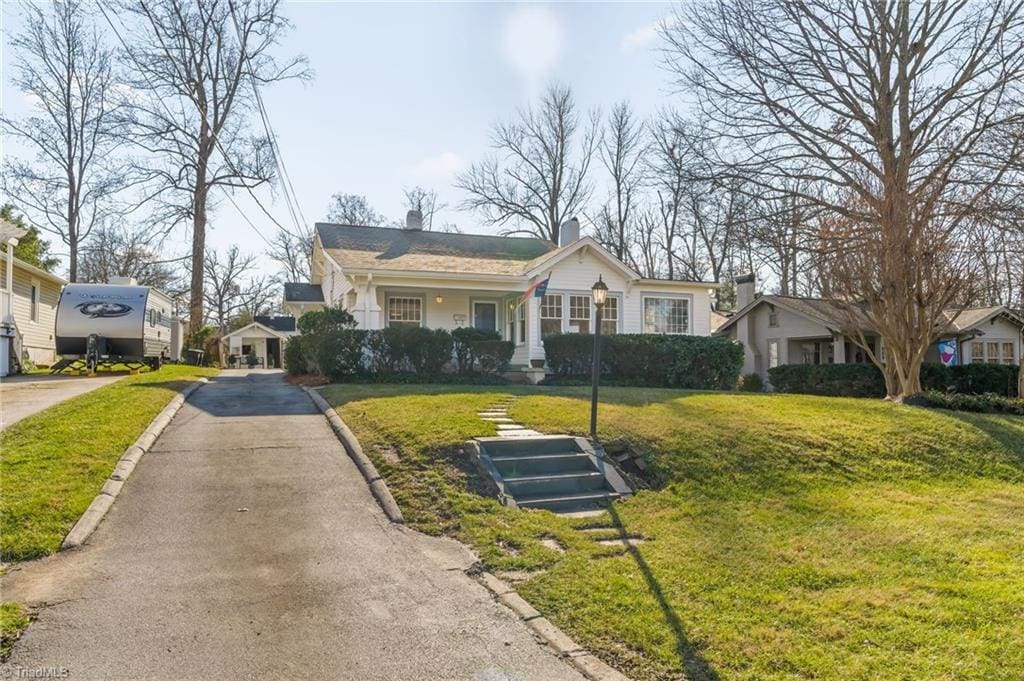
[(257, 339)]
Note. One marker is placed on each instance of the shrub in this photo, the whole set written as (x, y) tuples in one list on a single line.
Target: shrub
[(464, 340), (339, 352), (493, 355), (428, 351), (752, 383), (695, 362), (985, 402), (977, 379), (327, 319), (295, 362), (834, 380)]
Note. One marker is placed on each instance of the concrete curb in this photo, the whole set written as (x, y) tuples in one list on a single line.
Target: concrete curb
[(585, 663), (90, 520), (350, 442)]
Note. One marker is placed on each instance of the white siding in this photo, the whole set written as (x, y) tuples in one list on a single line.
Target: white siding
[(37, 336)]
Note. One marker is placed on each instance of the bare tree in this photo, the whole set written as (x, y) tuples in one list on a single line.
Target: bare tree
[(621, 151), (195, 66), (538, 177), (353, 209), (666, 169), (64, 67), (293, 252), (225, 294), (124, 252), (259, 294), (425, 201), (899, 114)]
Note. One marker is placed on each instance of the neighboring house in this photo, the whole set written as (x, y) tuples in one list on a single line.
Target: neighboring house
[(778, 330), (30, 324), (265, 338), (409, 277)]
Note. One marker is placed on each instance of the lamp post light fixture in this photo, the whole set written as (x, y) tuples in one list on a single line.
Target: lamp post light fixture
[(600, 293)]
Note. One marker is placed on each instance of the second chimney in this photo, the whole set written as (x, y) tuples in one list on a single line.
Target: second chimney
[(414, 221), (745, 286), (569, 232)]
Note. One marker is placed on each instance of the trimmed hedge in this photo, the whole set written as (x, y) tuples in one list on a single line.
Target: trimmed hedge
[(865, 380), (650, 360), (984, 403), (330, 345)]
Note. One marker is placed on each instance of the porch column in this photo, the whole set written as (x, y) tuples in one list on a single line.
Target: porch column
[(366, 310), (839, 349), (533, 340)]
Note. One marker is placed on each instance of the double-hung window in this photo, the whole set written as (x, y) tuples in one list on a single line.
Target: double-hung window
[(405, 311), (550, 314), (610, 316), (666, 315), (579, 314)]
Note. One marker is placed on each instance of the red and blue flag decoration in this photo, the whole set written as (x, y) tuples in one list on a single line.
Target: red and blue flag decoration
[(538, 290)]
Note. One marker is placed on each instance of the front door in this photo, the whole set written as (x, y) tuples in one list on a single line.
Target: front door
[(485, 316)]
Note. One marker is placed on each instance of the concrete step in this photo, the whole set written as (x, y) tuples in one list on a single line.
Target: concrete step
[(566, 503), (555, 484), (540, 446), (570, 462)]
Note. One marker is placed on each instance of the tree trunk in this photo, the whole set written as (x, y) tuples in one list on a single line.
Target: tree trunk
[(195, 304)]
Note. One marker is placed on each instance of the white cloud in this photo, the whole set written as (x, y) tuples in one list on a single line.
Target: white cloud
[(440, 168), (645, 36), (531, 41)]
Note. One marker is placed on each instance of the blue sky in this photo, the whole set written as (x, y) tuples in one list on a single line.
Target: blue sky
[(406, 93)]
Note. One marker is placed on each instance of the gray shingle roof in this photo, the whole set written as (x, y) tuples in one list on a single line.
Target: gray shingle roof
[(388, 248), (276, 322), (303, 293)]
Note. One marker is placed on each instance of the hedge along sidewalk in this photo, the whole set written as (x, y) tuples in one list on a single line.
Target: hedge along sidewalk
[(54, 462), (350, 442), (90, 520)]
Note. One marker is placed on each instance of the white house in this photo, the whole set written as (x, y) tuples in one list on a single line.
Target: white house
[(406, 276), (29, 297), (264, 338), (778, 330)]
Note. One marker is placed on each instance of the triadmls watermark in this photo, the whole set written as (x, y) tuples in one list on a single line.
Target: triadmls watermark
[(15, 672)]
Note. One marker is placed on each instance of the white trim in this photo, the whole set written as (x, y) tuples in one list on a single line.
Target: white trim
[(561, 254), (32, 269)]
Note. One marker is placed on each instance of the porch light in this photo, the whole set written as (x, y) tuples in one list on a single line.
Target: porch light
[(439, 299), (600, 293)]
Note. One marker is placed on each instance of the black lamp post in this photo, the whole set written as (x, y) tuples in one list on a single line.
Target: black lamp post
[(600, 292)]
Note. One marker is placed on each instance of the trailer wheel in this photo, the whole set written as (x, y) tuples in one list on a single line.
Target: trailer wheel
[(92, 353), (155, 363)]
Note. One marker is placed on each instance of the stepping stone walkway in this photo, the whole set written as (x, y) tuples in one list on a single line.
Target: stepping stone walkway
[(497, 414)]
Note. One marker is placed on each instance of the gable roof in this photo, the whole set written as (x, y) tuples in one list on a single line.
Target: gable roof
[(240, 332), (831, 315), (276, 322), (295, 292), (357, 247)]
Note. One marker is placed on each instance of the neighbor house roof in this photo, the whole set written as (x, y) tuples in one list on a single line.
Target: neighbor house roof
[(276, 322), (39, 272), (834, 316), (303, 293), (357, 247)]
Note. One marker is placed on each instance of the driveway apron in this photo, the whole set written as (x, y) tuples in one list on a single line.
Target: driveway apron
[(246, 546)]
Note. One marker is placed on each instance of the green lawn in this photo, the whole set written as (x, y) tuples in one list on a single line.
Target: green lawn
[(786, 536), (53, 463), (13, 621)]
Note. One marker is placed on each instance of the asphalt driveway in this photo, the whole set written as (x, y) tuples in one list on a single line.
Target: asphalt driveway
[(22, 396), (247, 546)]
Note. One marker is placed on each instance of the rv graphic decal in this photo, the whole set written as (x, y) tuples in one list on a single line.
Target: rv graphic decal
[(104, 310)]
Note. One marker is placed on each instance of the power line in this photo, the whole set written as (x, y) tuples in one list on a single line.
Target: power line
[(291, 197)]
